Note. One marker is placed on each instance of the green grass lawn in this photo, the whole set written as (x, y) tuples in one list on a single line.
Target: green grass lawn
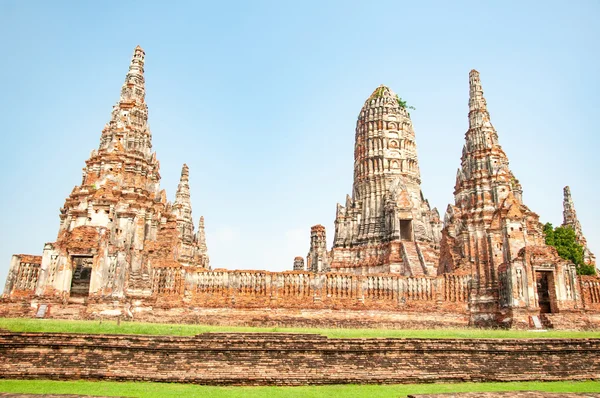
[(131, 389), (111, 327), (138, 389)]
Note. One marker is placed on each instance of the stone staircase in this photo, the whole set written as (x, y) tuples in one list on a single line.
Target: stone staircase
[(540, 322), (546, 322), (576, 321), (410, 255), (429, 266)]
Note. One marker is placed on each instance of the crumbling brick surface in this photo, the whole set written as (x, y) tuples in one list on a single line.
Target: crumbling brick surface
[(122, 248), (118, 218), (386, 225), (590, 292), (290, 359), (491, 234)]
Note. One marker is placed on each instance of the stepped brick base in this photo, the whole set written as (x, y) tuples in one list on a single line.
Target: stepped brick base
[(292, 359)]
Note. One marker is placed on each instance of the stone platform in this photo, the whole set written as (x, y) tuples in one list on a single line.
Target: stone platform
[(293, 359), (511, 394)]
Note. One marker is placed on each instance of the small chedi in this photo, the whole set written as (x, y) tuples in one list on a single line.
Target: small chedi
[(123, 249), (570, 220), (118, 234)]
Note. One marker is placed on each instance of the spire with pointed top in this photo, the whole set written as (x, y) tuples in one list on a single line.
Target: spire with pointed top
[(201, 236), (569, 214), (134, 86), (479, 117), (193, 251), (482, 152), (183, 189), (478, 113), (182, 207), (128, 127), (570, 220)]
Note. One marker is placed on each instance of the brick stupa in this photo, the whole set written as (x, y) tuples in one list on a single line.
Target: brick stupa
[(117, 225), (387, 224)]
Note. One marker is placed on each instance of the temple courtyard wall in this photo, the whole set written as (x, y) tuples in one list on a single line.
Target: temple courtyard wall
[(293, 359), (255, 317), (300, 299)]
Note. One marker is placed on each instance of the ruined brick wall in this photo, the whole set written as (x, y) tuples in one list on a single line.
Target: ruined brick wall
[(146, 310), (297, 289), (173, 285), (590, 292), (23, 275), (288, 359), (262, 298)]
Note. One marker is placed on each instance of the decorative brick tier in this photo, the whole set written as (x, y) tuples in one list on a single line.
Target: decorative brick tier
[(292, 359)]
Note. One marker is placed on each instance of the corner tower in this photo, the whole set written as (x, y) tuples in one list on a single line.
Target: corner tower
[(492, 236), (386, 225), (192, 250), (116, 227), (570, 220)]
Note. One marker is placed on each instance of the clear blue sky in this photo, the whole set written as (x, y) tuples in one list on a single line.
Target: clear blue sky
[(260, 99)]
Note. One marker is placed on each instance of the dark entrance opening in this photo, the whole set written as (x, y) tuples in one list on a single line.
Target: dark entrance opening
[(542, 280), (82, 274), (406, 230)]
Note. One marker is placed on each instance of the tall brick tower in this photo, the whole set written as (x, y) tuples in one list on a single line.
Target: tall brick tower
[(386, 225), (117, 225), (490, 234)]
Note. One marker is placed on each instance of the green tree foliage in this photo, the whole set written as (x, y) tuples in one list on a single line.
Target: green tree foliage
[(565, 242), (403, 104)]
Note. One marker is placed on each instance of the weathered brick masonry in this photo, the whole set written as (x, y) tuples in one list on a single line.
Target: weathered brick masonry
[(270, 317), (293, 359), (122, 249)]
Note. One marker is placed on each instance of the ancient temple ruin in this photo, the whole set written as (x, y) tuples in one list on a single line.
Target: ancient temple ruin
[(123, 250), (492, 236), (489, 236), (117, 227), (386, 226)]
